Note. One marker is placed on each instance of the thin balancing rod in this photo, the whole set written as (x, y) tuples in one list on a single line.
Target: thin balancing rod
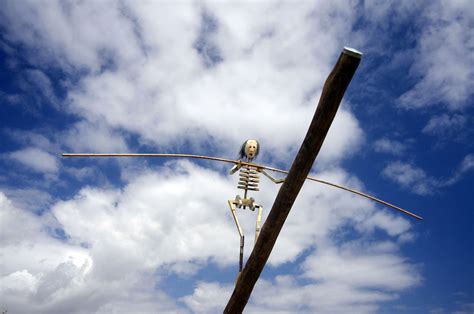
[(244, 163), (364, 195), (154, 155)]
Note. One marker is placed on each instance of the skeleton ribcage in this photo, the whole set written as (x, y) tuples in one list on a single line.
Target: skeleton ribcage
[(248, 179)]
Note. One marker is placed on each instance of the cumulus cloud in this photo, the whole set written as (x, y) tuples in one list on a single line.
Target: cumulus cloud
[(403, 173), (37, 83), (36, 159), (118, 244), (444, 59), (416, 180), (351, 268), (410, 177), (149, 78), (93, 137), (208, 297), (29, 254), (445, 125), (161, 73), (291, 297), (181, 232), (351, 279), (41, 273), (385, 145), (32, 138), (29, 198), (328, 284), (58, 37), (467, 165), (461, 307)]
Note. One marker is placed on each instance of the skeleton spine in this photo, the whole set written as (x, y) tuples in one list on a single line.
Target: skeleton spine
[(248, 179)]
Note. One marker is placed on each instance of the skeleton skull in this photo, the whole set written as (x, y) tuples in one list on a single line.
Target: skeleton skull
[(251, 148)]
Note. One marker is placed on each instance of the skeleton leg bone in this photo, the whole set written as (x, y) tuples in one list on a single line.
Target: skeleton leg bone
[(259, 219), (241, 234)]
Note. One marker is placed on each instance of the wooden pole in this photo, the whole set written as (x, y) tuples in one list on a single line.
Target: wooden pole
[(331, 97)]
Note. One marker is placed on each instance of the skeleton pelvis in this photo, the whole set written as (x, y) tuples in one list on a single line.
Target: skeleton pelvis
[(245, 202)]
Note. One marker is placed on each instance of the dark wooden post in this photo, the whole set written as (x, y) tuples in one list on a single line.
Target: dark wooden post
[(331, 97)]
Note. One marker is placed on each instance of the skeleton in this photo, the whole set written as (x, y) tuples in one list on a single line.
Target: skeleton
[(249, 173), (248, 181)]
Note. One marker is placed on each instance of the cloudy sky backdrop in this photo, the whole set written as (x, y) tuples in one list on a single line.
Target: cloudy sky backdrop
[(148, 235)]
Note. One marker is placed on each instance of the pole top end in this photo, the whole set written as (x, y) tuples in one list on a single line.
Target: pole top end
[(352, 52)]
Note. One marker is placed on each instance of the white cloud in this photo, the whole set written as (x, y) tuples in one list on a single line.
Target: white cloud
[(28, 255), (394, 226), (344, 138), (29, 198), (340, 286), (444, 124), (355, 278), (181, 222), (410, 177), (208, 297), (460, 307), (62, 38), (159, 88), (36, 159), (84, 173), (171, 222), (385, 145), (333, 298), (444, 62), (289, 296), (352, 279), (94, 138), (467, 164), (419, 182), (37, 81), (403, 173), (32, 138), (379, 270), (42, 274), (20, 281), (143, 76)]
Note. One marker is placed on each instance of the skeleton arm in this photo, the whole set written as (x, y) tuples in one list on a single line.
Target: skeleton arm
[(277, 181), (235, 168)]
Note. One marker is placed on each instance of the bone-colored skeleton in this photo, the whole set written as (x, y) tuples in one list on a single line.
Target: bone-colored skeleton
[(249, 178), (248, 181)]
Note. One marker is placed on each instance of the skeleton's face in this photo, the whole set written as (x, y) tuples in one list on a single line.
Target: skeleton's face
[(251, 148)]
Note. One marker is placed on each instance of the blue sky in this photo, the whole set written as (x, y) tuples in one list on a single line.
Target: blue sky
[(143, 235)]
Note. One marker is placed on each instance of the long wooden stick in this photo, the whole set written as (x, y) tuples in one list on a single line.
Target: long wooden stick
[(331, 97), (243, 163), (338, 186), (153, 155)]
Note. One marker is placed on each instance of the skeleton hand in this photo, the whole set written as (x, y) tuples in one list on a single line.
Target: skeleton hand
[(277, 181), (235, 168)]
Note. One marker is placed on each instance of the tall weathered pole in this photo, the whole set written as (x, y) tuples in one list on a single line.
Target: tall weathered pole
[(331, 97)]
